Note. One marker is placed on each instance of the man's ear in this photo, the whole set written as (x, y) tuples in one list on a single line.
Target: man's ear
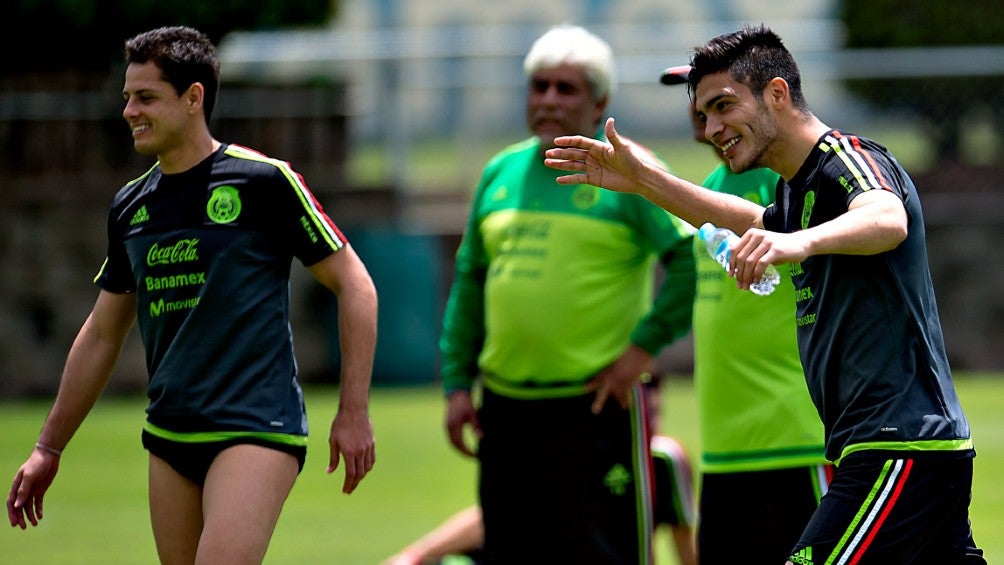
[(776, 93), (195, 96)]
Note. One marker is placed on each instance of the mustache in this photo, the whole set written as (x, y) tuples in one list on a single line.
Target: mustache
[(547, 117)]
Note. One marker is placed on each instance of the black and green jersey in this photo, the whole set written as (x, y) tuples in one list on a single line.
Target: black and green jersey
[(552, 282), (868, 328), (208, 254), (754, 408)]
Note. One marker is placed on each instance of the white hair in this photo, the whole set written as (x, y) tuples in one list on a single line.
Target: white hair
[(574, 45)]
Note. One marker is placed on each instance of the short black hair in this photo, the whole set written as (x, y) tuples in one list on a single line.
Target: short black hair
[(753, 55), (185, 56)]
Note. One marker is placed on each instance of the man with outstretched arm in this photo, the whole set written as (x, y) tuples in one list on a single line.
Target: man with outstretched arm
[(848, 218)]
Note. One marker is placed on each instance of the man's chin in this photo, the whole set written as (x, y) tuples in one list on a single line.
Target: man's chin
[(735, 165), (546, 141), (547, 135), (144, 149)]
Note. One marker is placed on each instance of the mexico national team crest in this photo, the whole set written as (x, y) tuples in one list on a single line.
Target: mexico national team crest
[(810, 201), (224, 205)]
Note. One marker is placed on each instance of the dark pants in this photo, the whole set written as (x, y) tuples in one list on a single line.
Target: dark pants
[(755, 517), (559, 484)]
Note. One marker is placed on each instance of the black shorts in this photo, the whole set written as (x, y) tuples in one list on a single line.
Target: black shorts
[(192, 460), (559, 484), (755, 517), (894, 507)]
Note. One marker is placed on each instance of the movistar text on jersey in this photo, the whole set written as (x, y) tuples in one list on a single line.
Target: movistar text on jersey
[(160, 307)]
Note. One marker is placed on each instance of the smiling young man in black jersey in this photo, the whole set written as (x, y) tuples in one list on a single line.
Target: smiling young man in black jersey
[(848, 219), (200, 250)]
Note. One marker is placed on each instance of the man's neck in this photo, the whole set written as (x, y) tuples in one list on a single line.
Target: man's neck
[(795, 147), (189, 155)]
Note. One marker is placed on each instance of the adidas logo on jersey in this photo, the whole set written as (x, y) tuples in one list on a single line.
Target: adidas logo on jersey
[(140, 216), (803, 557)]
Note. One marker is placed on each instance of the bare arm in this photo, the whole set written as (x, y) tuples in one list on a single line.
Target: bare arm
[(459, 534), (875, 222), (351, 430), (89, 364), (623, 166)]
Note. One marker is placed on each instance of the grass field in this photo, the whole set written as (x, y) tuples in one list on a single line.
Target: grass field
[(96, 511)]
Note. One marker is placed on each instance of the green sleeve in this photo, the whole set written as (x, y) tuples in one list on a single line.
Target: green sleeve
[(463, 333), (673, 308)]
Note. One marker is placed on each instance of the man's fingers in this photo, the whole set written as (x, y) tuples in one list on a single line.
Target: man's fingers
[(624, 399), (356, 469), (601, 399), (29, 511), (370, 458), (612, 136), (16, 517), (566, 158), (38, 506), (15, 501), (333, 462), (573, 179), (351, 477), (14, 513), (457, 438)]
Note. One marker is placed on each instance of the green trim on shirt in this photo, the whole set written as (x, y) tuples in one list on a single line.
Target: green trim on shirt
[(925, 445), (208, 437)]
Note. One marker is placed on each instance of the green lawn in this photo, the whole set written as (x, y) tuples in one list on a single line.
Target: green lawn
[(96, 511)]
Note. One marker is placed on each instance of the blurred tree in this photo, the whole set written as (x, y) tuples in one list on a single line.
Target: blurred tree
[(87, 35), (943, 104)]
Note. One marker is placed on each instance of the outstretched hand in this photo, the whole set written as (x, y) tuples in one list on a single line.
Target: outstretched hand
[(615, 164)]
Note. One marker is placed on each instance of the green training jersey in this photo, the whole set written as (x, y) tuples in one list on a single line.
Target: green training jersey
[(552, 282), (754, 406)]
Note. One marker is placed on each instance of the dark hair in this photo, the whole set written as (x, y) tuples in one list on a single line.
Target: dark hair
[(754, 56), (185, 56)]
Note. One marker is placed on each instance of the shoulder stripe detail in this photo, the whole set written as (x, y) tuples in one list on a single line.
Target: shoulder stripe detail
[(144, 175), (310, 204), (871, 162), (857, 160)]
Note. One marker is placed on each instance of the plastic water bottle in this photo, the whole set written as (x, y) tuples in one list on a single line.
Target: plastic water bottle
[(720, 241)]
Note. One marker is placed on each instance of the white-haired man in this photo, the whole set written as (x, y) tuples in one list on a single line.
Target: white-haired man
[(551, 313)]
